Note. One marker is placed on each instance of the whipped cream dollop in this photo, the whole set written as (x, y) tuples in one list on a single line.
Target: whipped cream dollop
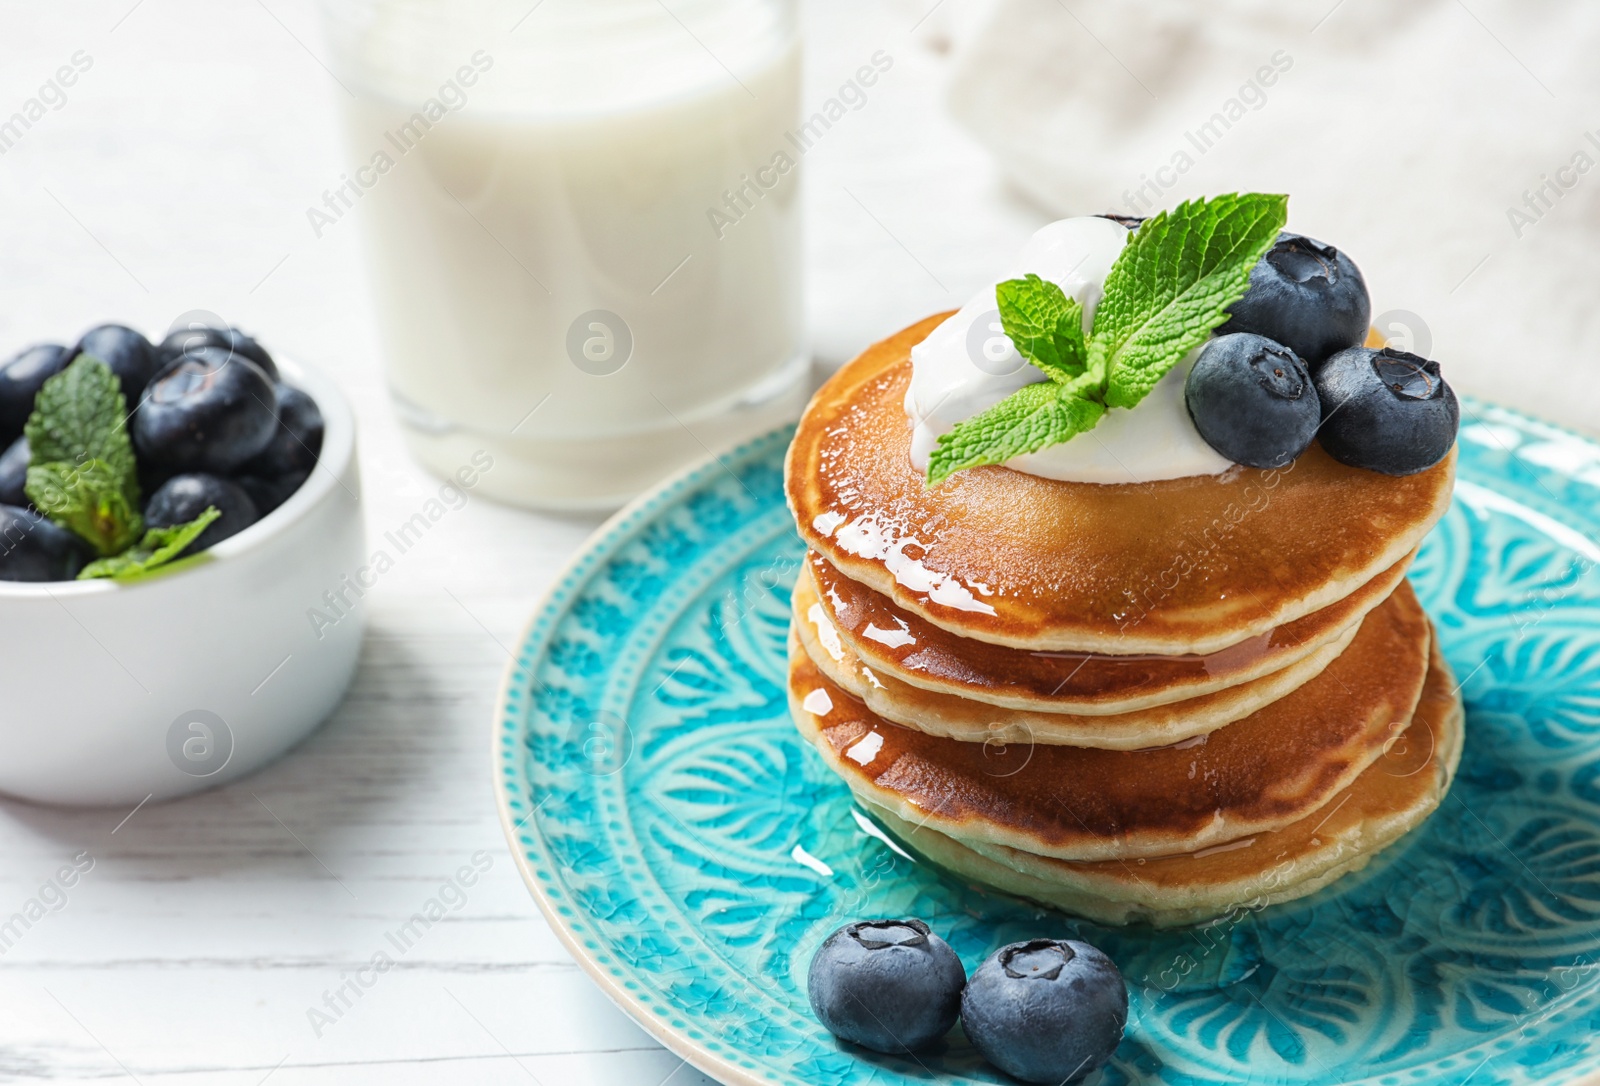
[(968, 364)]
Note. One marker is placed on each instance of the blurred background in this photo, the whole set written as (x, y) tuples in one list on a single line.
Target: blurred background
[(1451, 147), (1448, 146)]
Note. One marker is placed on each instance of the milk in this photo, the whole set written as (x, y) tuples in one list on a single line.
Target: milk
[(583, 234)]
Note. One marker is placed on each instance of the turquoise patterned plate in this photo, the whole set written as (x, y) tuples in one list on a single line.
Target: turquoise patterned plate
[(692, 852)]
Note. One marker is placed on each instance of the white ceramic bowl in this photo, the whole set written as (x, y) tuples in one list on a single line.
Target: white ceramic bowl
[(111, 693)]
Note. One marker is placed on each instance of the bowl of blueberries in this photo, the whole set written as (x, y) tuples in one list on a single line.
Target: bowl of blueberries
[(175, 518)]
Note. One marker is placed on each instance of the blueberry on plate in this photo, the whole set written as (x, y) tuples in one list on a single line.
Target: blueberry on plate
[(35, 549), (14, 473), (184, 497), (1047, 1010), (186, 340), (1252, 400), (126, 353), (296, 443), (1308, 296), (20, 380), (1386, 410), (208, 411), (888, 985)]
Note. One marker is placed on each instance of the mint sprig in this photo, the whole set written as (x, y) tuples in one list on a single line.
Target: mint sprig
[(1169, 289), (1172, 285), (82, 473), (1045, 325), (89, 499), (158, 547), (81, 469), (1029, 419), (80, 415)]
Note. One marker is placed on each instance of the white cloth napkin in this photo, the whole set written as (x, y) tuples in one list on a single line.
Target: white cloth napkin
[(1452, 148)]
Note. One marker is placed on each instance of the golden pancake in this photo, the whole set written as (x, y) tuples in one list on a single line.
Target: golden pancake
[(1082, 803), (1188, 565), (978, 722), (897, 643), (1389, 798)]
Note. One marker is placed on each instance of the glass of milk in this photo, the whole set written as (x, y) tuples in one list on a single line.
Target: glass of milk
[(582, 219)]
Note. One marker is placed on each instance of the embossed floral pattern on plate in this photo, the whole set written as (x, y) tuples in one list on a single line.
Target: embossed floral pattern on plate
[(692, 851)]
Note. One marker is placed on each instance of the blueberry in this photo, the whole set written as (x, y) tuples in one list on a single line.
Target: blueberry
[(152, 476), (20, 381), (208, 411), (184, 497), (888, 985), (1386, 410), (1252, 400), (1046, 1010), (269, 493), (1308, 296), (14, 473), (34, 549), (127, 353), (297, 441), (280, 469), (187, 340)]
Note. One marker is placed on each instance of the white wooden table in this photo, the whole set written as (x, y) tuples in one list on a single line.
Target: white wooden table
[(176, 176)]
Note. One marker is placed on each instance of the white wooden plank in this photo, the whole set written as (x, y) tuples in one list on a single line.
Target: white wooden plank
[(193, 948)]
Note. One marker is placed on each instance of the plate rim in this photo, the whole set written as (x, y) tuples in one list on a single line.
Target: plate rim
[(610, 534)]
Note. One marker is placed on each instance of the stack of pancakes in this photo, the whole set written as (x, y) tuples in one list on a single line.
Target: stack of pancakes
[(1147, 702)]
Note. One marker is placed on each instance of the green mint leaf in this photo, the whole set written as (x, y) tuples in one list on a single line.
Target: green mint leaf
[(1170, 287), (1173, 284), (158, 547), (1034, 416), (1045, 325), (80, 416), (89, 498)]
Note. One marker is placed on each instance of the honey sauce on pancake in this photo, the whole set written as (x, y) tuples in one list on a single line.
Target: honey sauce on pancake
[(1262, 772), (1190, 565), (1388, 799), (902, 643), (953, 716)]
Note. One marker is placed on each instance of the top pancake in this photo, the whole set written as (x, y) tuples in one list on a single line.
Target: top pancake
[(1189, 565)]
